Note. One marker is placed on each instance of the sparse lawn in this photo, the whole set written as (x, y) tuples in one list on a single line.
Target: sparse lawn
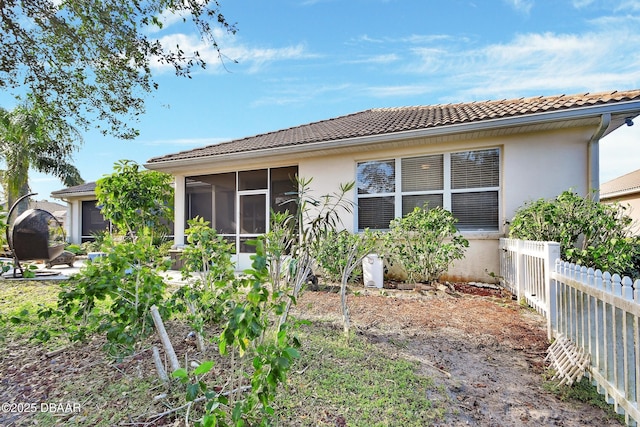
[(332, 383)]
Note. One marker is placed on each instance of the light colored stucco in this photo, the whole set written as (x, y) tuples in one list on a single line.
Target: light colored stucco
[(535, 165), (632, 204)]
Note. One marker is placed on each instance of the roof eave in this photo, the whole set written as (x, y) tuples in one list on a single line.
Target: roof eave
[(630, 109), (620, 193), (63, 196)]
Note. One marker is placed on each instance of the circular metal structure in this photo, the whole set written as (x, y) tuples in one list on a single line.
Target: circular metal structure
[(35, 235)]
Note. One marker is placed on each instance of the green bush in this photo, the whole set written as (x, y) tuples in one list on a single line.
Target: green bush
[(425, 243), (590, 233), (127, 279), (332, 253)]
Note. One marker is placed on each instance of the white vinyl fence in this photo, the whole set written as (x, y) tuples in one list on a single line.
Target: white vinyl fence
[(597, 311)]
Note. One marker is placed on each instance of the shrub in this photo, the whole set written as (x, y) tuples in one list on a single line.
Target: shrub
[(128, 280), (590, 233), (332, 253), (425, 243), (133, 199)]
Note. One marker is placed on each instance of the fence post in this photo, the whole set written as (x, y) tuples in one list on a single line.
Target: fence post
[(551, 255), (520, 270)]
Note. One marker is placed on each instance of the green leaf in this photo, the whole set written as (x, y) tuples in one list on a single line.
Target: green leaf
[(180, 373), (203, 368), (292, 353), (192, 391)]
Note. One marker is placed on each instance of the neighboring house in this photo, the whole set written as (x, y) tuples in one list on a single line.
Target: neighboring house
[(481, 160), (56, 209), (626, 191), (84, 216)]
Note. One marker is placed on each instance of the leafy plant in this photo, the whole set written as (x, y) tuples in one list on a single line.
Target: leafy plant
[(208, 274), (133, 200), (425, 243), (359, 246), (332, 255), (253, 308), (3, 227), (590, 233), (75, 249), (295, 238), (128, 279), (251, 329), (95, 245)]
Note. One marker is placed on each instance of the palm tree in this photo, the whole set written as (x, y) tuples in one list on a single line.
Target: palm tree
[(29, 139)]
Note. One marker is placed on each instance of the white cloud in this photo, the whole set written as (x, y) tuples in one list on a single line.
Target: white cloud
[(523, 6), (293, 94), (615, 5), (376, 59), (250, 59), (628, 6), (602, 59), (579, 4), (400, 90)]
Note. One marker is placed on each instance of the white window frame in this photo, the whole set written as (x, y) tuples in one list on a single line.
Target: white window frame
[(446, 192)]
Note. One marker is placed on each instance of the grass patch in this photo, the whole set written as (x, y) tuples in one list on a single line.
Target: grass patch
[(582, 391), (355, 385), (332, 383), (20, 301)]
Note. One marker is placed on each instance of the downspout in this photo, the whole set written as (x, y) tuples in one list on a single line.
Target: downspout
[(594, 157)]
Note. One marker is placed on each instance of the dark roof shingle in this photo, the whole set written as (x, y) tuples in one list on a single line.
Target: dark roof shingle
[(88, 187), (382, 121)]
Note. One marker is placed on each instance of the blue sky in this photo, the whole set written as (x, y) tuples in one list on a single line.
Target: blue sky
[(299, 61)]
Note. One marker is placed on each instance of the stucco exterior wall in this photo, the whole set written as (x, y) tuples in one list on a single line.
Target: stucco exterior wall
[(533, 166), (632, 203), (543, 165)]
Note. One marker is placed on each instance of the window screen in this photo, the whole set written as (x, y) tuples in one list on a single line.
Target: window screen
[(475, 211), (284, 189), (475, 169), (375, 212), (423, 173), (376, 177), (92, 219)]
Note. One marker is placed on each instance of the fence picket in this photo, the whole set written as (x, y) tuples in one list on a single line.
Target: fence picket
[(628, 344), (598, 282), (599, 312)]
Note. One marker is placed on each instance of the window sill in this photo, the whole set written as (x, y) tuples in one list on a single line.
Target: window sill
[(481, 234)]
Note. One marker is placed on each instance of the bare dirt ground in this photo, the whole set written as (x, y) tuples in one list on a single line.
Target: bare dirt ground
[(486, 350), (480, 346)]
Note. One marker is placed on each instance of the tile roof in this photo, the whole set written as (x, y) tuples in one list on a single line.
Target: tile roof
[(625, 184), (88, 187), (381, 121)]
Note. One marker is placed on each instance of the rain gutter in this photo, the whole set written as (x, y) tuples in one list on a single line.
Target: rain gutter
[(593, 156)]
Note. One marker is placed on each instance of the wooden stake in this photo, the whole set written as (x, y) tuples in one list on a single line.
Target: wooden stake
[(166, 342), (159, 365)]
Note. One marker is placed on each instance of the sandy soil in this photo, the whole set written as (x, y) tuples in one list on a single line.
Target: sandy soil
[(486, 350)]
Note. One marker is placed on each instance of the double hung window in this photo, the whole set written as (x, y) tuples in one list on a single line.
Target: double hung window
[(466, 183)]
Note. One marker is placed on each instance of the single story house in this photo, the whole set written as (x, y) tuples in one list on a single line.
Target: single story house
[(83, 218), (481, 160), (625, 190)]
